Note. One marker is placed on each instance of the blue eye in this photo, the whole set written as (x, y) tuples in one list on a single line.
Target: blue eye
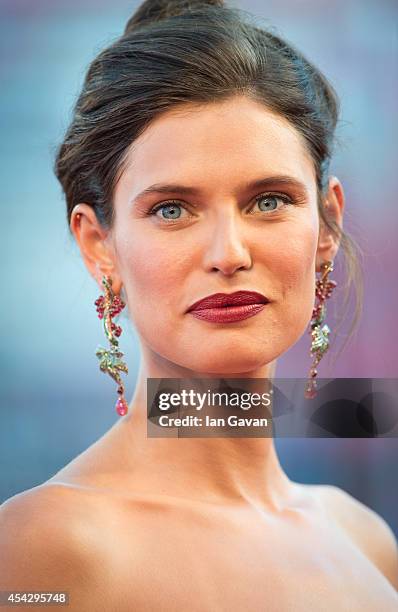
[(173, 208), (273, 205)]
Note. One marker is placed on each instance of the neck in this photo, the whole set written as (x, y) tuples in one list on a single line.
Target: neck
[(223, 469)]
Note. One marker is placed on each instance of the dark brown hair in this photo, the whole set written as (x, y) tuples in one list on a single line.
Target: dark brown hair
[(188, 51)]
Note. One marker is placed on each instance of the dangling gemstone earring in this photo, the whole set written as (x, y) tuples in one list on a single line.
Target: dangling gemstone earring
[(320, 335), (108, 306)]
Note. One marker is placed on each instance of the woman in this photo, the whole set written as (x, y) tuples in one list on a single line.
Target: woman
[(196, 163)]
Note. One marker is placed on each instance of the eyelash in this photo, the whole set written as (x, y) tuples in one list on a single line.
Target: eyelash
[(286, 199)]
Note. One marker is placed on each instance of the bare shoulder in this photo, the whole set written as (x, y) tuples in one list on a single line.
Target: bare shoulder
[(49, 541), (366, 528)]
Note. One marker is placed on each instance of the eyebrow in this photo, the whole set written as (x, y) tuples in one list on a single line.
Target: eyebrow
[(284, 180)]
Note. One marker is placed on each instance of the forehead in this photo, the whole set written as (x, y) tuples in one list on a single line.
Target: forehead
[(208, 144)]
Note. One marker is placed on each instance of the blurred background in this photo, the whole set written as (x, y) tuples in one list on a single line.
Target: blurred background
[(54, 400)]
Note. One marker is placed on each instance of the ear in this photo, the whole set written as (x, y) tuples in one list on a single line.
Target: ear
[(95, 245), (333, 204)]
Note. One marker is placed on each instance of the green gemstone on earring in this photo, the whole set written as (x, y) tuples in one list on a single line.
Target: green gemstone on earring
[(320, 340)]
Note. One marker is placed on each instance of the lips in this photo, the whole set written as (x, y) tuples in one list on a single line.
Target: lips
[(223, 300)]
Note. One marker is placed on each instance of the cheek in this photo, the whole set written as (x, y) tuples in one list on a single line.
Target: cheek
[(295, 269), (152, 274)]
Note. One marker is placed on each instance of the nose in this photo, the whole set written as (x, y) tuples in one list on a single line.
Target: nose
[(227, 251)]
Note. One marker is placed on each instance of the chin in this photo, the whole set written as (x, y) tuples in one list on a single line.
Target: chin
[(220, 365)]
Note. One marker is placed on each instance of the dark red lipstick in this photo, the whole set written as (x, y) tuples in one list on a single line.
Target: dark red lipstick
[(227, 308)]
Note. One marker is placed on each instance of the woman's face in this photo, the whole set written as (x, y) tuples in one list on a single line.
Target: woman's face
[(223, 235)]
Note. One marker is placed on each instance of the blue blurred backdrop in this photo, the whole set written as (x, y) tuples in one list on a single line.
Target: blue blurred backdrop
[(54, 400)]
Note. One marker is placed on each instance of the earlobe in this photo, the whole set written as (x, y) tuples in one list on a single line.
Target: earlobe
[(328, 241), (94, 244)]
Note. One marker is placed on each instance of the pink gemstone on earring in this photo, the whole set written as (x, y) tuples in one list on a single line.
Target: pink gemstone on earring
[(310, 392), (121, 406)]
